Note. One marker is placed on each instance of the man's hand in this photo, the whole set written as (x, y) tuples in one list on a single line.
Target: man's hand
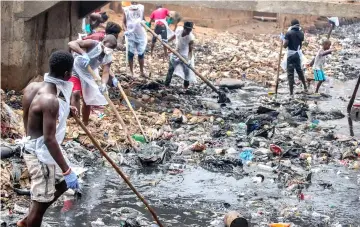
[(115, 81), (71, 180), (189, 63), (85, 60), (102, 88), (74, 110), (282, 37)]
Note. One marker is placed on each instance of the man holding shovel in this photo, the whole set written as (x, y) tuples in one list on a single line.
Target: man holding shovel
[(293, 41), (184, 46), (48, 168), (94, 54)]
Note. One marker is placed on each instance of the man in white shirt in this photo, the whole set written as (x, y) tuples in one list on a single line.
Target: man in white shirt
[(184, 46), (135, 35)]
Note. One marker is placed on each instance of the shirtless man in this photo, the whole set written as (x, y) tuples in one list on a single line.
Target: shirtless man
[(41, 151)]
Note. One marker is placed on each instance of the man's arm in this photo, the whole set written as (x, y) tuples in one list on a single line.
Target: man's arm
[(191, 49), (124, 21), (312, 62), (286, 40), (326, 52), (105, 74), (50, 110), (151, 18), (95, 16), (81, 46), (172, 38)]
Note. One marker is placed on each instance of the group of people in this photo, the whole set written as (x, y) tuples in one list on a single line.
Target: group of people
[(293, 41), (46, 113), (48, 104)]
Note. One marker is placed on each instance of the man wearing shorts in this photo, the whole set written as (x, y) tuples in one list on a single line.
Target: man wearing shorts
[(49, 171), (135, 35), (318, 64), (159, 17)]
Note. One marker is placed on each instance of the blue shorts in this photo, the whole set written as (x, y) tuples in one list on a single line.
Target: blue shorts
[(319, 75)]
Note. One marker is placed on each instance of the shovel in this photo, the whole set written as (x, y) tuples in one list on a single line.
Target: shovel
[(279, 61), (222, 96), (351, 102), (118, 170), (113, 108)]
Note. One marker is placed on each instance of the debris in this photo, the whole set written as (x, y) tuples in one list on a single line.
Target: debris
[(234, 219), (246, 155)]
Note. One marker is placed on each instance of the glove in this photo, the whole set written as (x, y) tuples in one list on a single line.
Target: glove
[(71, 180), (148, 24), (115, 81), (282, 36), (102, 88), (85, 60)]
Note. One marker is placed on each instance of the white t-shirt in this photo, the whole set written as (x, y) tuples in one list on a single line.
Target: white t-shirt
[(182, 43), (134, 15), (319, 60)]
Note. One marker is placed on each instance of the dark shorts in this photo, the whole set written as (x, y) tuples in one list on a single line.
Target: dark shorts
[(160, 30)]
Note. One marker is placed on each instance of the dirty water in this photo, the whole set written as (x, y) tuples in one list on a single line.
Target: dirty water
[(198, 197)]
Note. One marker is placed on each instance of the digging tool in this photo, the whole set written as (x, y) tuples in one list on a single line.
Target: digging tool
[(222, 96), (132, 110), (117, 169), (113, 108), (351, 102), (279, 62)]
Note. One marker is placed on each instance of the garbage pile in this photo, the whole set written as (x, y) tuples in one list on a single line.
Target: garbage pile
[(283, 143)]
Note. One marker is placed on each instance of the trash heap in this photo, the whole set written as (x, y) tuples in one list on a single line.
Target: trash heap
[(282, 142)]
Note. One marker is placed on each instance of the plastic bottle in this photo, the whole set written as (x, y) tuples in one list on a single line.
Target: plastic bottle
[(314, 124), (139, 138), (242, 129), (265, 167)]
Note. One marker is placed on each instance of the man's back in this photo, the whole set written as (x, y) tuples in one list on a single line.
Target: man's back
[(38, 97), (159, 14), (295, 38)]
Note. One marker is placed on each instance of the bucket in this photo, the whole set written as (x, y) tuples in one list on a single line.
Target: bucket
[(234, 219)]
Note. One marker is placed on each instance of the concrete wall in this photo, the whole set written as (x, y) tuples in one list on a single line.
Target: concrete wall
[(27, 43), (340, 8), (219, 18)]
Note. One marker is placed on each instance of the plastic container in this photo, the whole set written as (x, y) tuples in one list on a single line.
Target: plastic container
[(139, 138), (235, 219), (265, 167), (242, 129)]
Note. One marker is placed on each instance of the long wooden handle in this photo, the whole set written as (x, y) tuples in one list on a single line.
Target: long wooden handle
[(132, 110), (351, 102), (113, 108), (279, 61), (181, 58), (117, 169)]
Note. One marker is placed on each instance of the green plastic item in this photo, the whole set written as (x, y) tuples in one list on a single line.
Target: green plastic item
[(148, 24), (139, 138), (169, 20)]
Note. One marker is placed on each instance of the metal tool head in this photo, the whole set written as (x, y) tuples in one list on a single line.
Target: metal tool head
[(222, 98)]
